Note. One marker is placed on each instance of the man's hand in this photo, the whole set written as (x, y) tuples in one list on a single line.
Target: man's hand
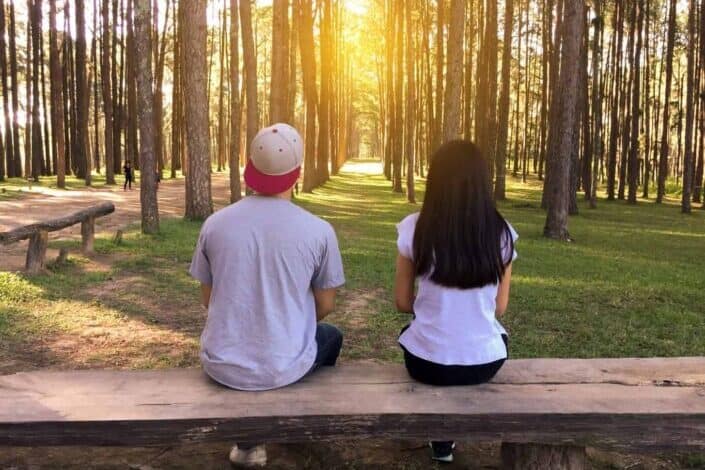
[(325, 302)]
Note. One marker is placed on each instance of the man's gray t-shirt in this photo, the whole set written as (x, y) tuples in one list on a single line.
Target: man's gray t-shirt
[(263, 257)]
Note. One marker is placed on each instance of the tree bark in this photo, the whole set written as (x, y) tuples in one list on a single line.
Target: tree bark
[(410, 107), (248, 51), (145, 103), (454, 75), (82, 96), (565, 101), (279, 90), (235, 109), (688, 160), (308, 66), (636, 89), (57, 99), (199, 204), (503, 124)]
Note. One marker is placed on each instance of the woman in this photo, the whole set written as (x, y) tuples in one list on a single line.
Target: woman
[(461, 250)]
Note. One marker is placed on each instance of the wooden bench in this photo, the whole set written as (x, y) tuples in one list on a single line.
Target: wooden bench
[(38, 234), (544, 410)]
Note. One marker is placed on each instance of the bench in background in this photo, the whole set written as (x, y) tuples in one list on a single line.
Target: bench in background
[(38, 234)]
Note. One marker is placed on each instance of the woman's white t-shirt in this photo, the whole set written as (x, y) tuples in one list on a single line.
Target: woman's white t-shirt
[(452, 326)]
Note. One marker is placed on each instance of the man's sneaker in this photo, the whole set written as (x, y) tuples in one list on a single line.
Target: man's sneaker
[(249, 458), (442, 451)]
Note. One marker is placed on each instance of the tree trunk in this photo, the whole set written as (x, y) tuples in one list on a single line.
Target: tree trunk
[(410, 108), (503, 124), (565, 101), (454, 75), (278, 109), (82, 96), (12, 34), (235, 109), (596, 101), (9, 153), (199, 204), (323, 155), (308, 66), (634, 149), (688, 160), (106, 86), (248, 51), (145, 103), (57, 99)]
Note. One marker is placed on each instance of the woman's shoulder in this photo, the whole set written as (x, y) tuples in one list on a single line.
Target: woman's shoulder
[(408, 222)]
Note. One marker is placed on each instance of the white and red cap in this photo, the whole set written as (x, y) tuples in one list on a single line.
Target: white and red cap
[(276, 155)]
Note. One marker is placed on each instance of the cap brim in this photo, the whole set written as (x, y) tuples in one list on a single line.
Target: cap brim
[(269, 184)]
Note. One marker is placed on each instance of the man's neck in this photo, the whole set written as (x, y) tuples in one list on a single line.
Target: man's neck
[(286, 195)]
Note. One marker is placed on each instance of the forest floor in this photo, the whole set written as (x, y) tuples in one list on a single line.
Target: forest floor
[(630, 285)]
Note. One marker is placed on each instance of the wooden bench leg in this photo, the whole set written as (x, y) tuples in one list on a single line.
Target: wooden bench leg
[(542, 456), (36, 253), (87, 235)]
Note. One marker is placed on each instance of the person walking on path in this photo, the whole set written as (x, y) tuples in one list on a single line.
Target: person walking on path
[(129, 175)]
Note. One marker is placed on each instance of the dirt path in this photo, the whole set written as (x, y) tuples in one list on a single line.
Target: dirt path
[(44, 203)]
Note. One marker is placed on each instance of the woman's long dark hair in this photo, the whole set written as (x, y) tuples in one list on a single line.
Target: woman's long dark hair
[(459, 233)]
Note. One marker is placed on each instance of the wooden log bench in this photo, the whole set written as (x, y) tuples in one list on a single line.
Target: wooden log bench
[(38, 234), (545, 411)]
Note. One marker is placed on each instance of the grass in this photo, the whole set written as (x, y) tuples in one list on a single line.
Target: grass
[(630, 285)]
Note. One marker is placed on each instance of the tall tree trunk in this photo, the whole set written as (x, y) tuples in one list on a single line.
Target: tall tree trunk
[(503, 124), (199, 204), (308, 66), (57, 99), (160, 57), (235, 111), (12, 34), (398, 127), (566, 101), (598, 23), (634, 149), (38, 167), (278, 109), (410, 107), (688, 160), (145, 103), (106, 86), (177, 95), (248, 51), (440, 75), (9, 145), (454, 75), (82, 96), (323, 155), (129, 120)]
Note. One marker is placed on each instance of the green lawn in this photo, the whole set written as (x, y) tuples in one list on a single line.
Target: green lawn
[(630, 285)]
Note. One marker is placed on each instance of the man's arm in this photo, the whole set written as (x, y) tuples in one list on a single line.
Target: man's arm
[(206, 294), (325, 302)]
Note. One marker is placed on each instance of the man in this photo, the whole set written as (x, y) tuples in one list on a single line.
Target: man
[(269, 271)]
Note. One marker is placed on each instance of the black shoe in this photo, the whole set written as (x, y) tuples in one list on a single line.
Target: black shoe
[(442, 451)]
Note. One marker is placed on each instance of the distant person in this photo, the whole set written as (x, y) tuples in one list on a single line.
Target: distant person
[(129, 175), (157, 179), (460, 249), (269, 271)]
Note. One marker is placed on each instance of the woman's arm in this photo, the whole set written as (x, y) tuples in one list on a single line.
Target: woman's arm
[(404, 285), (503, 291)]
